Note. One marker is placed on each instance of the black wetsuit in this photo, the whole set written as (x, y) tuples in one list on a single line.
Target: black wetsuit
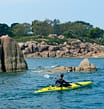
[(61, 82)]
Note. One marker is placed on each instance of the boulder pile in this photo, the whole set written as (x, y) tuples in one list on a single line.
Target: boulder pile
[(74, 48)]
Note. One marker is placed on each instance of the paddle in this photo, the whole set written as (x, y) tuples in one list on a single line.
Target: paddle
[(79, 84), (48, 76)]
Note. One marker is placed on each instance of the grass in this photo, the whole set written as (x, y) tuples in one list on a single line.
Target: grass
[(40, 39)]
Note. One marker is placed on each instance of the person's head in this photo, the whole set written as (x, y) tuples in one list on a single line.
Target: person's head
[(61, 75)]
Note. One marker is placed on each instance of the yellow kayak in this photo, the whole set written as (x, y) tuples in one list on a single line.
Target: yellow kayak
[(56, 88)]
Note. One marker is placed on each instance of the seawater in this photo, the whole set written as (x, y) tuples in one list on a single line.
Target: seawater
[(17, 89)]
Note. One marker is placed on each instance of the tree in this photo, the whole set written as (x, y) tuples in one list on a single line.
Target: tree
[(13, 25), (41, 27), (56, 26), (21, 29), (95, 33), (5, 29), (69, 34), (76, 29)]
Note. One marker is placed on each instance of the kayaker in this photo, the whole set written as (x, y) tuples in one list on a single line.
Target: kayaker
[(61, 82)]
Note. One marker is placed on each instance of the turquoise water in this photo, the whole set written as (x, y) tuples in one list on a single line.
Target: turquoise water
[(17, 90)]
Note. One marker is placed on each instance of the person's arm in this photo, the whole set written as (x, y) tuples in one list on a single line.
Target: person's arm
[(56, 82), (65, 82), (68, 83)]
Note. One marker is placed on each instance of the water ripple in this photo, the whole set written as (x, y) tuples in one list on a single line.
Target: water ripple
[(17, 90)]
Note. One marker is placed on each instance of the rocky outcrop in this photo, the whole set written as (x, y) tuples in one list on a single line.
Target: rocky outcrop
[(84, 66), (11, 57), (71, 48)]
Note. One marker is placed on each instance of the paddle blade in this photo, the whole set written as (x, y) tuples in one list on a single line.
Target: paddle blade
[(47, 76)]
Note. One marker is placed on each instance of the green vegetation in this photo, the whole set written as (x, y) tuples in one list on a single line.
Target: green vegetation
[(55, 40), (37, 39), (75, 30), (24, 38)]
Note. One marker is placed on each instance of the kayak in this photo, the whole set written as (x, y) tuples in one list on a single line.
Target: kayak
[(71, 86)]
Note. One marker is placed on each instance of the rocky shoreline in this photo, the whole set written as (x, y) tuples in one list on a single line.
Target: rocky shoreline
[(75, 48)]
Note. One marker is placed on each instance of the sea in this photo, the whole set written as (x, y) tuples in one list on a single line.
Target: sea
[(17, 89)]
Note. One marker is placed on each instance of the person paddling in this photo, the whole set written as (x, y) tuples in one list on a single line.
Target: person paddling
[(61, 82)]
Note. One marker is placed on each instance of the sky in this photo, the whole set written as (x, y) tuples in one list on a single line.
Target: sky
[(21, 11)]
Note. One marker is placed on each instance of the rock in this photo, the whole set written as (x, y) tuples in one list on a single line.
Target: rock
[(58, 69), (42, 48), (37, 54), (69, 69), (53, 48), (52, 54), (92, 67), (83, 46), (52, 35), (60, 54), (85, 65), (65, 43), (21, 45), (77, 69), (66, 49), (0, 57), (76, 43), (61, 37), (43, 43), (11, 57), (44, 54), (27, 50), (70, 48)]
